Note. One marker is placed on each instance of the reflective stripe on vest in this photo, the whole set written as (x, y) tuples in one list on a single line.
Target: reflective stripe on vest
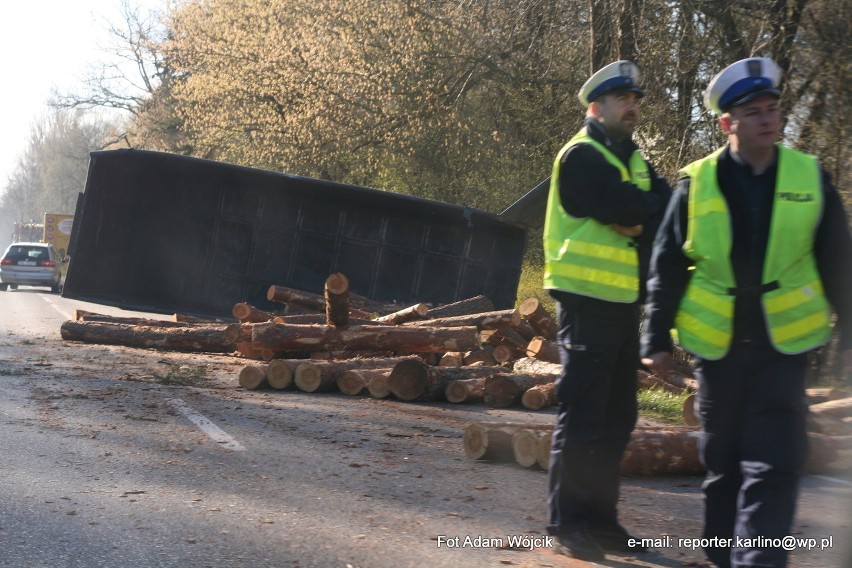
[(797, 313), (582, 255)]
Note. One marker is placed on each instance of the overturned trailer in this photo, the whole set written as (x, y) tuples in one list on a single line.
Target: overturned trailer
[(166, 233)]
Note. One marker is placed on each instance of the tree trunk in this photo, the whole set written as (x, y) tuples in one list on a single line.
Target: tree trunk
[(83, 315), (538, 317), (543, 350), (355, 381), (465, 390), (411, 313), (316, 302), (475, 305), (540, 396), (486, 320), (337, 300), (503, 391), (247, 313), (197, 338), (280, 372), (321, 376), (481, 356), (400, 339), (542, 456), (493, 441), (525, 445), (414, 380), (839, 408), (378, 386), (451, 359), (252, 377), (534, 366)]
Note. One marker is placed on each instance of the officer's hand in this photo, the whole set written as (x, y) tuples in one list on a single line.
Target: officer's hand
[(633, 231), (660, 363)]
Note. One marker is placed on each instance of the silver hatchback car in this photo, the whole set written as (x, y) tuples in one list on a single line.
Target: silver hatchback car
[(30, 264)]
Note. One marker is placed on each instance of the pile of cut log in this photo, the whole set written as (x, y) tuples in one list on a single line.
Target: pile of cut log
[(651, 451)]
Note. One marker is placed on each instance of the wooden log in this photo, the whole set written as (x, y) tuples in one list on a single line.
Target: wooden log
[(540, 396), (543, 350), (503, 391), (411, 313), (816, 395), (280, 373), (483, 356), (465, 390), (355, 381), (247, 350), (474, 305), (247, 313), (534, 312), (513, 345), (252, 377), (525, 330), (525, 445), (322, 319), (654, 382), (337, 300), (378, 386), (83, 315), (487, 320), (321, 376), (187, 318), (839, 408), (198, 338), (414, 380), (316, 302), (828, 425), (451, 359), (536, 367), (493, 441), (400, 339)]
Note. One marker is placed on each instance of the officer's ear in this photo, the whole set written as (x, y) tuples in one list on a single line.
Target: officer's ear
[(726, 122), (594, 110)]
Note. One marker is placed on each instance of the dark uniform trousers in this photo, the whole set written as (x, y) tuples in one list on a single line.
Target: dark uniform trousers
[(754, 444), (598, 410)]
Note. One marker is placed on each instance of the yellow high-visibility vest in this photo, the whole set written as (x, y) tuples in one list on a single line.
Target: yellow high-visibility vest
[(797, 312), (582, 255)]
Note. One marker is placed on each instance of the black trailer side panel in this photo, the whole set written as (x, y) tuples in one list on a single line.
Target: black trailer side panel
[(167, 233)]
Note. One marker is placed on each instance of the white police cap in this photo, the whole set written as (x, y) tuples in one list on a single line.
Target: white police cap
[(741, 82), (618, 76)]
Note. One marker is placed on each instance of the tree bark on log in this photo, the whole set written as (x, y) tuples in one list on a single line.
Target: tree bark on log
[(400, 339), (198, 338), (486, 320), (538, 317), (337, 300), (493, 441), (414, 380), (514, 346), (465, 390), (536, 367), (540, 396), (246, 313), (252, 377), (321, 376), (483, 356), (503, 391), (411, 313), (355, 381), (316, 302), (543, 350), (474, 305), (83, 315)]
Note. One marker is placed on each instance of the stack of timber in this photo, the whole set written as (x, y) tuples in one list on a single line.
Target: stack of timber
[(651, 451)]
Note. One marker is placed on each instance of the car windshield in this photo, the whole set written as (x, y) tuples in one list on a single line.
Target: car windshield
[(27, 253)]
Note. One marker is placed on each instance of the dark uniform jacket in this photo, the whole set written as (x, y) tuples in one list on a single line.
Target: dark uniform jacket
[(749, 199), (589, 186)]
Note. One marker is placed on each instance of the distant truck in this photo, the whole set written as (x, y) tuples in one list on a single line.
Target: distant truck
[(56, 230)]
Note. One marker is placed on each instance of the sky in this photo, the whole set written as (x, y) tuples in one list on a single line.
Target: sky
[(47, 45)]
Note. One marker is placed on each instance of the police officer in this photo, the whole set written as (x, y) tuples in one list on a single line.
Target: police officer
[(604, 204), (753, 250)]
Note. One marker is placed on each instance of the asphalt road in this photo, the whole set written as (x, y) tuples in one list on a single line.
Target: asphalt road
[(102, 465)]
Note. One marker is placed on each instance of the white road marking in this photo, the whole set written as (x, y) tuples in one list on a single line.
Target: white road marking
[(56, 307), (832, 479), (217, 434)]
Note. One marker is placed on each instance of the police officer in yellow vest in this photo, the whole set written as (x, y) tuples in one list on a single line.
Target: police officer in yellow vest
[(753, 252), (604, 205)]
